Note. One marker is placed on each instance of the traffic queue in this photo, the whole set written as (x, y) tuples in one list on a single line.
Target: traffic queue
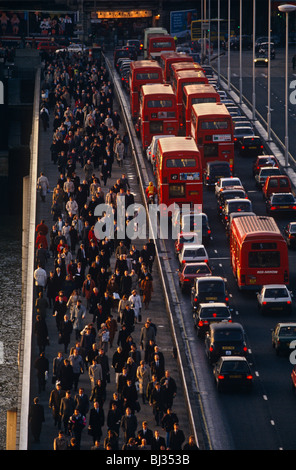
[(191, 133)]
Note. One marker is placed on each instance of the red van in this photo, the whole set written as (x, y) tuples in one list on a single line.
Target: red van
[(276, 184)]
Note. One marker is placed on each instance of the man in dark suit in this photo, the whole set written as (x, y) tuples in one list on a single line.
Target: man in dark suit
[(96, 421), (145, 433), (158, 442)]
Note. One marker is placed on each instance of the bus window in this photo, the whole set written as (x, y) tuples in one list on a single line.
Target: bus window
[(156, 127), (147, 76), (159, 104), (177, 190), (264, 259), (214, 125), (180, 162), (210, 150)]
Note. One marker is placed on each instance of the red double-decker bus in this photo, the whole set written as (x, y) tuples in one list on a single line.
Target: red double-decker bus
[(158, 44), (178, 171), (196, 94), (258, 252), (212, 130), (158, 112), (178, 66), (168, 58), (179, 80), (142, 72)]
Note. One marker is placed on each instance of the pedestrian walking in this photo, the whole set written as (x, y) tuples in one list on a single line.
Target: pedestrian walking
[(77, 364), (66, 410), (36, 419), (42, 186), (128, 424), (77, 317), (54, 404), (96, 422), (66, 328), (77, 423), (143, 376), (40, 277), (176, 438), (147, 289), (41, 364), (41, 333), (60, 442)]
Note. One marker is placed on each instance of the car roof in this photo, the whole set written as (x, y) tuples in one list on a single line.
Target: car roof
[(191, 246), (211, 279), (274, 286), (213, 304), (286, 324), (233, 358), (231, 326)]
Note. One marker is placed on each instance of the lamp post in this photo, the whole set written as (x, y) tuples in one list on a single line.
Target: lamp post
[(268, 74), (254, 41), (286, 9), (240, 53), (228, 58)]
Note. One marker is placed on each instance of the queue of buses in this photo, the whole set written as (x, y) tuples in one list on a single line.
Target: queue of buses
[(172, 96)]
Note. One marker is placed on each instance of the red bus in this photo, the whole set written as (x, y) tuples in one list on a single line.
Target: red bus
[(258, 252), (158, 44), (142, 72), (178, 171), (181, 79), (212, 129), (195, 94), (158, 112), (168, 58), (178, 66)]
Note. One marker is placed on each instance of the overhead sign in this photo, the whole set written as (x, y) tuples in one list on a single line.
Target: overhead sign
[(121, 14), (180, 21)]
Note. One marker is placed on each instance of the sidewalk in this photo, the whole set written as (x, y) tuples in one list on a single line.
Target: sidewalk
[(157, 312)]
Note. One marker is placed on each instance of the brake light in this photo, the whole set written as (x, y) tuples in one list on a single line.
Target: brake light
[(272, 208), (195, 299), (206, 260), (249, 377), (289, 302), (245, 349), (211, 348), (243, 146), (264, 303), (183, 261), (185, 279), (221, 377), (293, 207), (226, 299), (209, 231)]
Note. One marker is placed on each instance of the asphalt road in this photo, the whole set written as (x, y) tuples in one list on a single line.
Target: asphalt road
[(264, 419), (277, 89)]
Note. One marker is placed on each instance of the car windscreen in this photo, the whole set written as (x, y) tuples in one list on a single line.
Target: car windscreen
[(204, 269), (239, 206), (214, 312), (235, 366), (228, 335), (192, 253), (211, 286), (274, 293), (287, 331), (220, 170), (283, 198)]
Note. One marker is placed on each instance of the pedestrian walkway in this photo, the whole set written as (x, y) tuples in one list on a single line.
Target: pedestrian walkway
[(156, 312)]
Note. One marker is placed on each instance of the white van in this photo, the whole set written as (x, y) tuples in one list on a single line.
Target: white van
[(151, 149)]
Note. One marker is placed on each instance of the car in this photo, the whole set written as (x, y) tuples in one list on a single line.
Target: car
[(274, 298), (233, 109), (185, 237), (280, 203), (293, 377), (263, 48), (151, 150), (250, 146), (214, 171), (235, 205), (194, 222), (209, 290), (120, 53), (47, 46), (240, 124), (276, 184), (233, 373), (135, 43), (240, 132), (261, 59), (72, 48), (289, 234), (193, 253), (225, 339), (191, 271), (264, 160), (223, 183), (234, 192), (281, 336), (209, 313), (263, 174)]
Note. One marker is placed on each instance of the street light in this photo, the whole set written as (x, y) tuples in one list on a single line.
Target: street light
[(286, 9)]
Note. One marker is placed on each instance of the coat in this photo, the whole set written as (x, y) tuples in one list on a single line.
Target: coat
[(77, 317), (143, 377), (43, 185), (96, 422)]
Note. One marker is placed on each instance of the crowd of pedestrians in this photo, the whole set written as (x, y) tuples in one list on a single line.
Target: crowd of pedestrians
[(96, 290)]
